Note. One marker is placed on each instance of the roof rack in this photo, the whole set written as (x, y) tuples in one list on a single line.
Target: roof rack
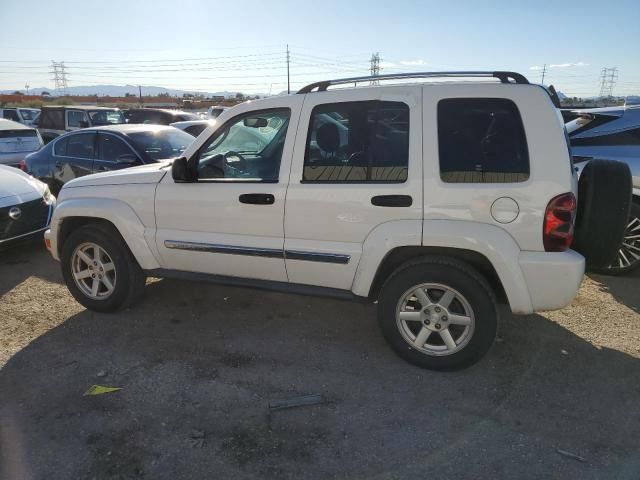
[(504, 77)]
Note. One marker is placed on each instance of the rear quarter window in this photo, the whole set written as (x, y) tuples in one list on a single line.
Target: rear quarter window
[(481, 140)]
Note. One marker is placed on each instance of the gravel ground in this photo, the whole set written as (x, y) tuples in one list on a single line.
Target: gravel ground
[(556, 397)]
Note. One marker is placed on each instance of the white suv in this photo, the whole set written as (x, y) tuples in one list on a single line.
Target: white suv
[(437, 200)]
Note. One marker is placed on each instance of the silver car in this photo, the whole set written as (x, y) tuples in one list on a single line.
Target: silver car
[(17, 141), (612, 133)]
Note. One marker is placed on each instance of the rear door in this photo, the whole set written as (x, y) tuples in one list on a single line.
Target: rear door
[(73, 156), (357, 164), (76, 119)]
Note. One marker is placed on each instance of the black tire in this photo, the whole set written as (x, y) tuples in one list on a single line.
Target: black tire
[(453, 274), (604, 200), (631, 248), (130, 280)]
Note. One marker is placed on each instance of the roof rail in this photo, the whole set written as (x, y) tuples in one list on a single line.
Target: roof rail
[(504, 77)]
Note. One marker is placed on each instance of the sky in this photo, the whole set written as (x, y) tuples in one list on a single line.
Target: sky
[(240, 45)]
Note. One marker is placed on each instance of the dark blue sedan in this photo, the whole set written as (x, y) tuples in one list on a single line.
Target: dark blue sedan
[(100, 149)]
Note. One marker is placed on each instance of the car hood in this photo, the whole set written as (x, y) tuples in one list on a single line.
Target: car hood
[(16, 183), (143, 174)]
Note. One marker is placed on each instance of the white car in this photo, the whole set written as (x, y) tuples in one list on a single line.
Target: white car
[(437, 200), (17, 141), (22, 115), (26, 205)]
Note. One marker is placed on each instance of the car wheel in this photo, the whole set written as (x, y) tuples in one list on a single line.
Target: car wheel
[(628, 257), (438, 313), (99, 270), (604, 200)]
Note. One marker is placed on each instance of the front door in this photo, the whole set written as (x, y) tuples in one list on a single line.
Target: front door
[(230, 221)]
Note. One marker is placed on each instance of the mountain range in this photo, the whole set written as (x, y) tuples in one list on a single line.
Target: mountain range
[(120, 91)]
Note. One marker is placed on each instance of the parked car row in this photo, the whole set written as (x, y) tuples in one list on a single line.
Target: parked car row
[(612, 133)]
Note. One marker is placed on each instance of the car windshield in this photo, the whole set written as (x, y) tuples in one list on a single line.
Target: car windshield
[(106, 117), (162, 144), (28, 114)]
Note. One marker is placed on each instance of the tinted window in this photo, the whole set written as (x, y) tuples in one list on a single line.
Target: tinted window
[(80, 146), (358, 142), (249, 147), (110, 148), (75, 118), (195, 130), (161, 144), (11, 115), (60, 147), (628, 137), (481, 141), (106, 117), (52, 118), (149, 116)]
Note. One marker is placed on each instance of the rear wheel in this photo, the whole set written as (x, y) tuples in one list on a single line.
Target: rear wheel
[(99, 270), (438, 313), (628, 257)]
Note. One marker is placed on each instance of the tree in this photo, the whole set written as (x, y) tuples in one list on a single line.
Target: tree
[(239, 96), (17, 92)]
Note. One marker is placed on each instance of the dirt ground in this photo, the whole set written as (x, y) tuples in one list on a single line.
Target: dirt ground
[(557, 397)]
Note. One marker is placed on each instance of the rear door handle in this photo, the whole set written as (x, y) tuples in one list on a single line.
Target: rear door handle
[(257, 198), (392, 201)]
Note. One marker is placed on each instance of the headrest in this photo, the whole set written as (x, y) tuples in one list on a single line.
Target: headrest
[(328, 138)]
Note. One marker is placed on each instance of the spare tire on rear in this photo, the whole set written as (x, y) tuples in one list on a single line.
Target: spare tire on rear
[(604, 201)]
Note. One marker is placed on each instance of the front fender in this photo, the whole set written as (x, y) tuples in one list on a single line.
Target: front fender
[(119, 213)]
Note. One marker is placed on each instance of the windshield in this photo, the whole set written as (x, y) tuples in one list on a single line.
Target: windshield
[(106, 117), (162, 144), (28, 114)]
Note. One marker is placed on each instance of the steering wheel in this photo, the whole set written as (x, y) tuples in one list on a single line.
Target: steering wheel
[(240, 164)]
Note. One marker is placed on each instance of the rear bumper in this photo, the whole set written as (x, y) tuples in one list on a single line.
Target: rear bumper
[(553, 278)]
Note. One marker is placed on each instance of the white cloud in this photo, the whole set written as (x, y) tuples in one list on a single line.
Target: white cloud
[(560, 65), (388, 64), (412, 63)]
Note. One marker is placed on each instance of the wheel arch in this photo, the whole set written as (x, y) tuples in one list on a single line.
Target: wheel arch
[(75, 213)]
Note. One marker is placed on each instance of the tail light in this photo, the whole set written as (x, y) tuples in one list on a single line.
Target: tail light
[(559, 219), (22, 165)]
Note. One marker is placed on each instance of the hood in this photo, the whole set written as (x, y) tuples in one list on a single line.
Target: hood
[(151, 173), (16, 183)]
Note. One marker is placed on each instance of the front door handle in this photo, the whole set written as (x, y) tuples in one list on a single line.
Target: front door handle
[(392, 201), (257, 198)]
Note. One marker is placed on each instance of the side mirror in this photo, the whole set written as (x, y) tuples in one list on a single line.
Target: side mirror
[(127, 158), (255, 122), (180, 171)]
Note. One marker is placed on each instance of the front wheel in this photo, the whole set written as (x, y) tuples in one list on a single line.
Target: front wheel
[(438, 313), (99, 270)]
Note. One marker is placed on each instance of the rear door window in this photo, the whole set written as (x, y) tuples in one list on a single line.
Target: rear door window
[(481, 140), (364, 141), (11, 115), (81, 146)]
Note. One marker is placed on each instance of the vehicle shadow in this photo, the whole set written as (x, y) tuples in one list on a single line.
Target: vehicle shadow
[(625, 289), (24, 260), (198, 365)]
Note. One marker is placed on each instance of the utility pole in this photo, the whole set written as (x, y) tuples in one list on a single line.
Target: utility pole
[(544, 71), (26, 86), (375, 67), (140, 94), (608, 79), (288, 77)]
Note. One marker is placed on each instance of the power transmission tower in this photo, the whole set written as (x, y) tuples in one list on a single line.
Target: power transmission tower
[(608, 79), (59, 77), (375, 67), (544, 72)]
